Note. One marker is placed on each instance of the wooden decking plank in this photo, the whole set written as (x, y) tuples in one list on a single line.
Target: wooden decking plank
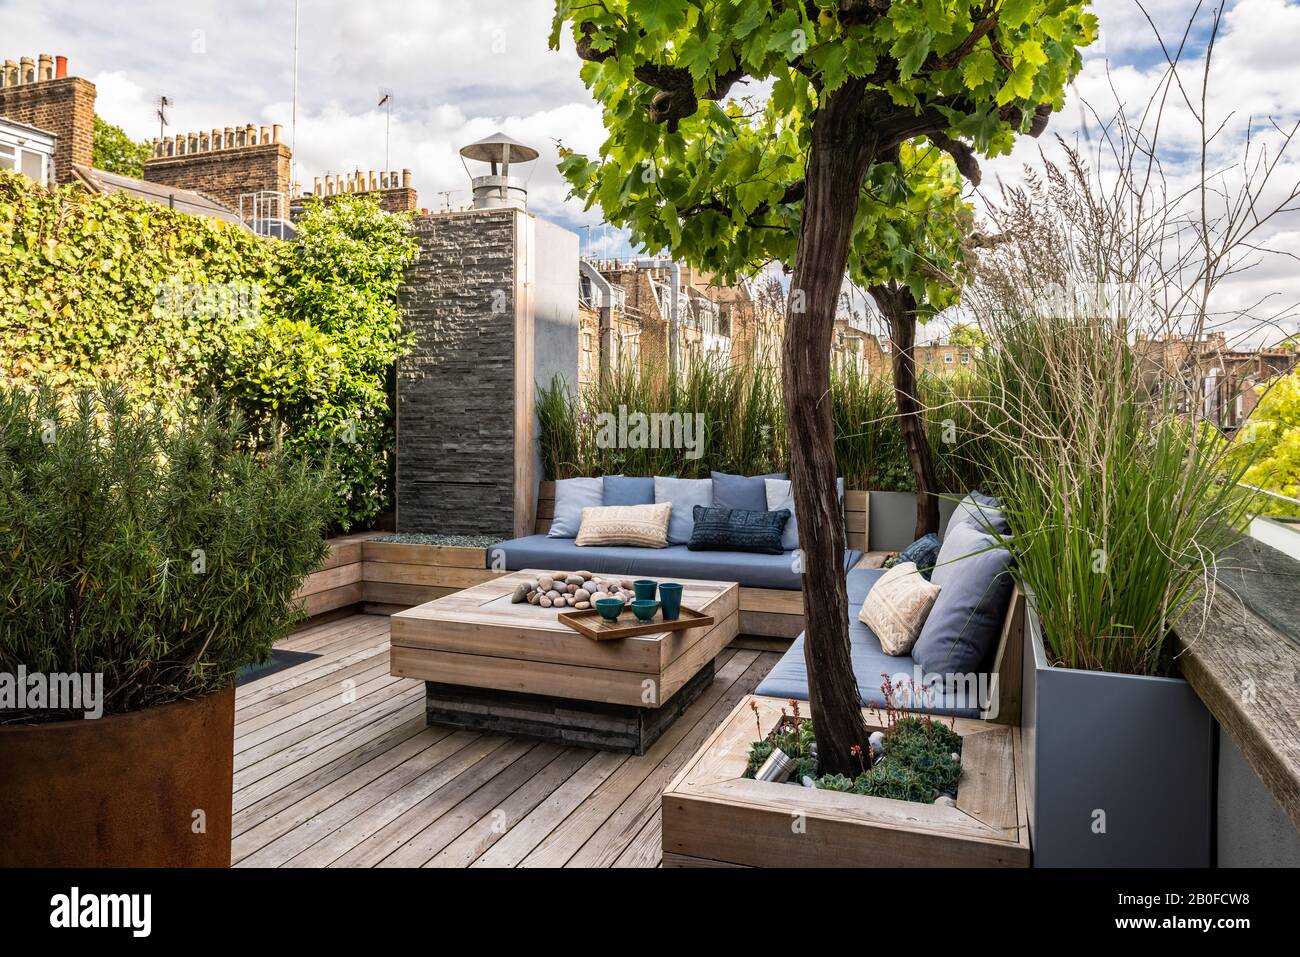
[(388, 825), (338, 768), (320, 827), (294, 762), (366, 783), (309, 718), (316, 721), (569, 835), (646, 849), (472, 844), (625, 822), (282, 681), (474, 807), (516, 843), (255, 715)]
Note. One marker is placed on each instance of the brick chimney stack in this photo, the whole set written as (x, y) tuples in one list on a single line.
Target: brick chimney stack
[(223, 164), (38, 91), (395, 196)]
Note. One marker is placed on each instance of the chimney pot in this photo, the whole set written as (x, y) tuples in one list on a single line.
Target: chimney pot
[(406, 179), (316, 187), (60, 67), (265, 135), (250, 135), (45, 67), (275, 133), (228, 138), (26, 70)]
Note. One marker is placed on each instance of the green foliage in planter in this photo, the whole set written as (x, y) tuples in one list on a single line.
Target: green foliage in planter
[(115, 152), (301, 335), (1120, 506), (917, 762), (744, 426), (315, 375), (161, 553), (87, 283)]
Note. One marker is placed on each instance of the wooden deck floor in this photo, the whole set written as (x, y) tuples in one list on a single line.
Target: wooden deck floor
[(335, 766)]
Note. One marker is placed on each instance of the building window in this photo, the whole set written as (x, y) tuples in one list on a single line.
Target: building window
[(947, 358), (586, 342), (29, 155), (965, 358)]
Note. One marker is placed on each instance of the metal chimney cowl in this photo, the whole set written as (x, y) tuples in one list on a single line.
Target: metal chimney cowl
[(498, 189)]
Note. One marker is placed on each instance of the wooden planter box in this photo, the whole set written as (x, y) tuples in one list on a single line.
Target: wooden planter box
[(714, 817), (397, 575), (384, 577)]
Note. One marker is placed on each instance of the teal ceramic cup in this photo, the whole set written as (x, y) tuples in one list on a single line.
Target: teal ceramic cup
[(645, 589), (609, 608), (645, 609), (670, 597)]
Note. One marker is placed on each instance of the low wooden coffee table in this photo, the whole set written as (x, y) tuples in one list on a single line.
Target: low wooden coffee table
[(490, 665)]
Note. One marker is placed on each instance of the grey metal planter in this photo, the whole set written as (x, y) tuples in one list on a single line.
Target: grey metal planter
[(892, 518), (1119, 767)]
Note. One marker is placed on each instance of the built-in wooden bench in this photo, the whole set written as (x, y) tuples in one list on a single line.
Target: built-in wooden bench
[(384, 577), (764, 612)]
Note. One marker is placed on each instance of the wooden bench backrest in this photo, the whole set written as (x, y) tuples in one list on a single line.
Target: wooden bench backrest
[(855, 514)]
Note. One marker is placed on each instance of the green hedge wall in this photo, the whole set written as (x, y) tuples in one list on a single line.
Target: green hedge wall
[(300, 335)]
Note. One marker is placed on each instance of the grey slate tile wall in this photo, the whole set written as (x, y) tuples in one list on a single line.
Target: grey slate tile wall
[(455, 391)]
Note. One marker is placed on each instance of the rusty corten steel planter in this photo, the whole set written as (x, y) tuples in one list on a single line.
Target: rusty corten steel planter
[(120, 791)]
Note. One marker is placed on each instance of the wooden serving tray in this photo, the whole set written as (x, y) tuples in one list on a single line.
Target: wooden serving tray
[(587, 621)]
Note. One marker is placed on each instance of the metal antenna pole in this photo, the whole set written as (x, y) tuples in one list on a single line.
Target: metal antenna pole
[(293, 123)]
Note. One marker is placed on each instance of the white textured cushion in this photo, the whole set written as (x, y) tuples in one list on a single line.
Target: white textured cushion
[(897, 606), (645, 526)]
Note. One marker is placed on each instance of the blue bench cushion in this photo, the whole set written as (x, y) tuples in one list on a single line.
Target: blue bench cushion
[(675, 561), (789, 678)]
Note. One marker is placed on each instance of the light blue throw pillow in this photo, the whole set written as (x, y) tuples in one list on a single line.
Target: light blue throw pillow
[(780, 494), (629, 490), (684, 494), (571, 497), (982, 512), (965, 623)]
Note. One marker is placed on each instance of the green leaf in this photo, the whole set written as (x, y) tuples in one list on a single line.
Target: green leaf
[(979, 68), (1015, 12)]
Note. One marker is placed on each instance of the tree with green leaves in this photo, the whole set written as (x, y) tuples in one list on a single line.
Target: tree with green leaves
[(810, 173), (115, 152)]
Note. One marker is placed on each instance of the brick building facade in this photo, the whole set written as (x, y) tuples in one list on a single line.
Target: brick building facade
[(223, 164), (39, 92)]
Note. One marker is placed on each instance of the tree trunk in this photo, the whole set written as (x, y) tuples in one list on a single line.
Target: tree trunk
[(838, 159), (899, 307)]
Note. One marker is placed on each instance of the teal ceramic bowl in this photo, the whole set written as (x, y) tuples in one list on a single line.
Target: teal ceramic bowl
[(610, 608), (645, 609)]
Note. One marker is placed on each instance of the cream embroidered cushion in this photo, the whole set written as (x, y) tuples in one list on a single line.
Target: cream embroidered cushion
[(897, 606), (642, 525)]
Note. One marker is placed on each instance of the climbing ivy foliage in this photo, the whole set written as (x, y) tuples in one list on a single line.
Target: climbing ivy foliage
[(710, 106), (299, 335)]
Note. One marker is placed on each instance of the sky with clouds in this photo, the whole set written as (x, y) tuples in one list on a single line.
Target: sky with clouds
[(462, 69)]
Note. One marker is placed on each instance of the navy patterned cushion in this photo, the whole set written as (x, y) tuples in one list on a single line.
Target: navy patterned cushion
[(923, 553), (737, 530)]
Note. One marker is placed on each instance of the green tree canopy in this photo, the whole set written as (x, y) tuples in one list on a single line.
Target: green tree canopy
[(115, 152), (697, 164)]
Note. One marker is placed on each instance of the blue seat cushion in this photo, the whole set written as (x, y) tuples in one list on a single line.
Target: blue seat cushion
[(629, 490), (742, 491), (675, 561), (789, 678)]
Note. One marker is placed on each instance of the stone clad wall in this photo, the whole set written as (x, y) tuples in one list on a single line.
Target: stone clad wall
[(455, 391)]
